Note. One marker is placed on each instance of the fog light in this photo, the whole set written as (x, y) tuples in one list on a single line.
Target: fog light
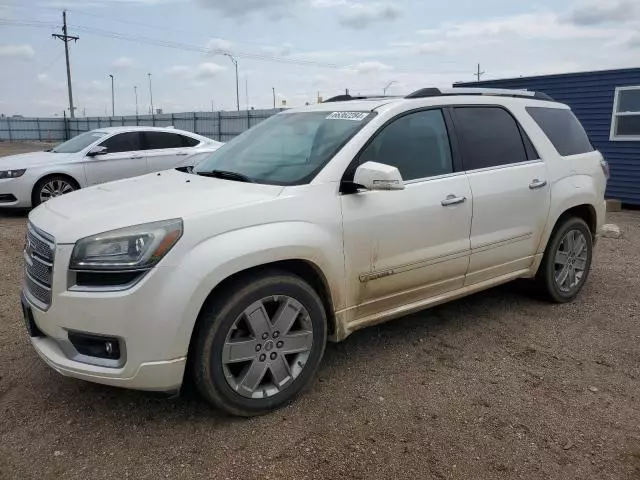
[(95, 345)]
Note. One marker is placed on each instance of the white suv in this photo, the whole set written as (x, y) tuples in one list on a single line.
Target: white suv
[(313, 224)]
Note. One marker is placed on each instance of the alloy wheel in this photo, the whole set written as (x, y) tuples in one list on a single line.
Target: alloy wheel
[(267, 347), (55, 188), (570, 261)]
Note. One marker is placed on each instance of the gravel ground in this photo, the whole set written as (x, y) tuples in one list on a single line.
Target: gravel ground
[(497, 385)]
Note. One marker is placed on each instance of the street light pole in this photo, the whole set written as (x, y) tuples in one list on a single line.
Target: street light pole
[(384, 90), (113, 103), (150, 93), (274, 96), (235, 63), (135, 91)]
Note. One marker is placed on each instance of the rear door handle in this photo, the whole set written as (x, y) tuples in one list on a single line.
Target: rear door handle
[(452, 200), (182, 154), (537, 184), (135, 158)]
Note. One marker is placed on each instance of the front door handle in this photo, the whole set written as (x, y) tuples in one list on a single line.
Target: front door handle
[(182, 154), (537, 184), (452, 200), (136, 158)]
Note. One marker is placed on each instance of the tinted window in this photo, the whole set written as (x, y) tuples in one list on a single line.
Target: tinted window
[(188, 141), (416, 144), (489, 137), (563, 129), (157, 140), (123, 142)]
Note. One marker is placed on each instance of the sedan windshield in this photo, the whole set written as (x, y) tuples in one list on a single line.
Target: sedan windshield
[(78, 143), (286, 149)]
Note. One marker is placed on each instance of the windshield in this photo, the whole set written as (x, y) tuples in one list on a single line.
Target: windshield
[(286, 149), (78, 143)]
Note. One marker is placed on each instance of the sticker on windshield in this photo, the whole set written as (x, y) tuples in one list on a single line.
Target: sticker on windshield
[(355, 116)]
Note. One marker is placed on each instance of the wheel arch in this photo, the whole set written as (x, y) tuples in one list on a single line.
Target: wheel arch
[(51, 175)]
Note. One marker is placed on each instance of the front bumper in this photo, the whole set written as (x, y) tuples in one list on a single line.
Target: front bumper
[(154, 319), (18, 188)]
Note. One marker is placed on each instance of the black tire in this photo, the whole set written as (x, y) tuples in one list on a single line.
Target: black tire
[(37, 189), (546, 276), (221, 315)]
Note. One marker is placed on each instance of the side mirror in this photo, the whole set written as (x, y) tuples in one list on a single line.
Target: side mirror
[(97, 150), (378, 176)]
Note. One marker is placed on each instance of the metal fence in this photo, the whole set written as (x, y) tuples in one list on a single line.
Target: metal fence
[(221, 126)]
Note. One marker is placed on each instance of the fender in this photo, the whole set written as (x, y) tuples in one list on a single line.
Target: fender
[(217, 258), (567, 193)]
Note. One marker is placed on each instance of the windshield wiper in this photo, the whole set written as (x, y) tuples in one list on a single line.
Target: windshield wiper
[(226, 175)]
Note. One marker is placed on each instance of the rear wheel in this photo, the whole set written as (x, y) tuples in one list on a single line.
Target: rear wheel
[(567, 260), (51, 187), (259, 344)]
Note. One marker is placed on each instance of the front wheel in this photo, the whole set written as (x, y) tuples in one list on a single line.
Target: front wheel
[(567, 260), (52, 187), (259, 344)]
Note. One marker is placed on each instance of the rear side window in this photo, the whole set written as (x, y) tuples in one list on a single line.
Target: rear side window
[(157, 140), (563, 129), (123, 142), (189, 142), (489, 137)]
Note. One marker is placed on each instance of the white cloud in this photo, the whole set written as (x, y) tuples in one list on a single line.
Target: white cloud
[(43, 78), (218, 44), (208, 70), (202, 71), (23, 51), (360, 15), (603, 11), (283, 50), (122, 63), (243, 8), (368, 67)]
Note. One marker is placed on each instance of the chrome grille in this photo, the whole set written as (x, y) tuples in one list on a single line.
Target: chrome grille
[(38, 256)]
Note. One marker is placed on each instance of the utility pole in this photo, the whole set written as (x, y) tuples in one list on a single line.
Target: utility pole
[(65, 38), (135, 91), (212, 105), (235, 62), (150, 93), (274, 96), (478, 74), (246, 90), (113, 103), (346, 91)]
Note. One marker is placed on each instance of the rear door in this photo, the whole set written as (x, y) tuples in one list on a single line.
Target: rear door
[(123, 159), (510, 191), (165, 150)]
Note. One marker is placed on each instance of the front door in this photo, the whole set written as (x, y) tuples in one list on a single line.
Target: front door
[(124, 158), (510, 191), (407, 245)]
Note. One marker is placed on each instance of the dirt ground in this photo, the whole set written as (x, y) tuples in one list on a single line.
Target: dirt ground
[(497, 385)]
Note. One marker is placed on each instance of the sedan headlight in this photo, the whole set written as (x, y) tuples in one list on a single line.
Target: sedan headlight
[(12, 173), (126, 249)]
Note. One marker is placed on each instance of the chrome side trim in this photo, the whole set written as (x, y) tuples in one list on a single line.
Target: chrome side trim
[(500, 243)]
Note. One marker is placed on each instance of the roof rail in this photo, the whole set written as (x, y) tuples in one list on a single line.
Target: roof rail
[(503, 92), (344, 98)]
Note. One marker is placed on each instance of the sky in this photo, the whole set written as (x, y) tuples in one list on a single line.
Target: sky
[(298, 48)]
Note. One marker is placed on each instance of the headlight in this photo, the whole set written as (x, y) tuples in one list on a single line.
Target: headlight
[(12, 173), (132, 248)]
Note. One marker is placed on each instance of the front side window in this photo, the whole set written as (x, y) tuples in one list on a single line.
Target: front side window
[(489, 137), (625, 121), (78, 143), (416, 144), (288, 148), (123, 142), (562, 127)]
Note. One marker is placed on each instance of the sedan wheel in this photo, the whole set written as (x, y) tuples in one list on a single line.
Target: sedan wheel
[(54, 188)]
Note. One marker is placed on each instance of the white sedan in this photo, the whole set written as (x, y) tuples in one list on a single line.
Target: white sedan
[(95, 157)]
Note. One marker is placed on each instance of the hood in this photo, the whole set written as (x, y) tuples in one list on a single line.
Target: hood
[(149, 198), (30, 160)]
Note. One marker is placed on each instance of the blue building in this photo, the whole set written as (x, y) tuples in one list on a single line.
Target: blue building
[(607, 103)]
